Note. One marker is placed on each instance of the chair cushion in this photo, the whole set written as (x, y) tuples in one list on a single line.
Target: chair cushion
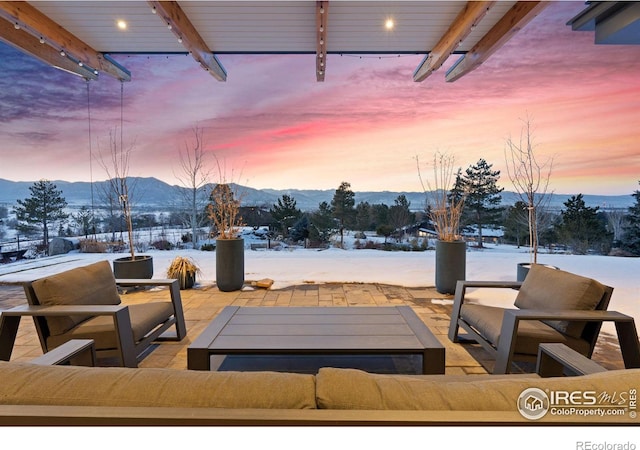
[(548, 289), (487, 321), (355, 389), (88, 285), (29, 384), (144, 318)]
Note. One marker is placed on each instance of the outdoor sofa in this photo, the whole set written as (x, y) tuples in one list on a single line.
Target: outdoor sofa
[(37, 393)]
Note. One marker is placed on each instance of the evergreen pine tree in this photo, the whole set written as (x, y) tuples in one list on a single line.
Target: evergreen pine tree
[(516, 224), (482, 204), (363, 221), (323, 223), (631, 237), (285, 213), (343, 209), (379, 215), (44, 207), (580, 226), (400, 215), (301, 230)]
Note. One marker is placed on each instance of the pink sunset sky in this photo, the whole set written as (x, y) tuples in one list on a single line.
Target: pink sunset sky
[(273, 126)]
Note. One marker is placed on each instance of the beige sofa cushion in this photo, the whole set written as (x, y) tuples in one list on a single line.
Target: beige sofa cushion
[(355, 389), (548, 289), (29, 384), (88, 285)]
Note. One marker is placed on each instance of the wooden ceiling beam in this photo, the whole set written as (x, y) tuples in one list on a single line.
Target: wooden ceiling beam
[(513, 21), (586, 19), (31, 20), (471, 14), (322, 12), (31, 45), (173, 16)]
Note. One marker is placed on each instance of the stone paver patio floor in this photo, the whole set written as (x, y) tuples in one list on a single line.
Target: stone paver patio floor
[(204, 302)]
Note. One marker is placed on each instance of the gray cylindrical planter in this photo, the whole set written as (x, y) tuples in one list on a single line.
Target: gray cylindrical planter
[(451, 265), (523, 270), (141, 266), (230, 264)]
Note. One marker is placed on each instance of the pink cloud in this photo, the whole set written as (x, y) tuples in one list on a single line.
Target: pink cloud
[(365, 123)]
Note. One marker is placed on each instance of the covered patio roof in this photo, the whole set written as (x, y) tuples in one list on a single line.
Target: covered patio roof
[(84, 36)]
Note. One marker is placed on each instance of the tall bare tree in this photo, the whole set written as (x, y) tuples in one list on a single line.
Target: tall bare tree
[(194, 176), (117, 169), (530, 179), (615, 221)]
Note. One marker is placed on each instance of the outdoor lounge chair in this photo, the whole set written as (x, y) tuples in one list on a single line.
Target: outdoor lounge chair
[(83, 303), (554, 306)]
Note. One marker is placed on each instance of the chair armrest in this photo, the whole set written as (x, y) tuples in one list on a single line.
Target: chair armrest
[(65, 310), (488, 284), (568, 315), (556, 359), (81, 352), (145, 281), (463, 285)]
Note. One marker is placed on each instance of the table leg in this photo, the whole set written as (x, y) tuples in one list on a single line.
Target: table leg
[(8, 332), (629, 344), (433, 361)]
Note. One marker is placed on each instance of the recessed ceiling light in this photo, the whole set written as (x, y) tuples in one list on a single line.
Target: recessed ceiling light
[(122, 25), (389, 24)]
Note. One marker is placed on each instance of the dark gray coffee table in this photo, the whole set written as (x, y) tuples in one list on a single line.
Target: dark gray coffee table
[(347, 332)]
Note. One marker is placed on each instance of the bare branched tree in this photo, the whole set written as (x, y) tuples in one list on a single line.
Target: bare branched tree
[(194, 176), (530, 179), (444, 209), (117, 169), (615, 222)]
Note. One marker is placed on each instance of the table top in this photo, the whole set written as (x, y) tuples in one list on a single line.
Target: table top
[(317, 329)]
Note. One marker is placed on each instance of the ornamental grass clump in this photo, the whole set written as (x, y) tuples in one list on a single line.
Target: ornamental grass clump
[(183, 269)]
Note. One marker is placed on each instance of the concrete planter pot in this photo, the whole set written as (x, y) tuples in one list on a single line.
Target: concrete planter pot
[(230, 264), (451, 265), (188, 281), (140, 266)]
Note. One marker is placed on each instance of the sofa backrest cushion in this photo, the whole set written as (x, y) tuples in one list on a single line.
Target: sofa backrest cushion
[(87, 285), (29, 384), (547, 288), (355, 389)]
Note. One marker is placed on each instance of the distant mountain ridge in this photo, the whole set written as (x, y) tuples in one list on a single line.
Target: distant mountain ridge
[(154, 193)]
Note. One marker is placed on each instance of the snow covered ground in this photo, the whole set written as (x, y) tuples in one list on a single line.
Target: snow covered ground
[(289, 267)]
